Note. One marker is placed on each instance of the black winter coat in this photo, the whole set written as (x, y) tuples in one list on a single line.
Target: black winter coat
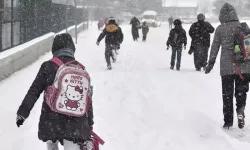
[(177, 37), (135, 23), (54, 126), (145, 29), (113, 33), (200, 33)]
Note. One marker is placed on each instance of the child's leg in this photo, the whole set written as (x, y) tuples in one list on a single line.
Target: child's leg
[(172, 63), (179, 54), (52, 146), (68, 145), (144, 37), (107, 54)]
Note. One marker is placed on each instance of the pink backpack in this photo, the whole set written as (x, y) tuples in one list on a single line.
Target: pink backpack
[(70, 93)]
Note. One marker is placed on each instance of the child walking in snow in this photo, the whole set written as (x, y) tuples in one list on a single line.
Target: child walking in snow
[(71, 131), (145, 30), (113, 38), (177, 39)]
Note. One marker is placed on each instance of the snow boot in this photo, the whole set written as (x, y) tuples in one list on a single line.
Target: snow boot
[(198, 69), (109, 67), (241, 121), (178, 69), (172, 67), (227, 126)]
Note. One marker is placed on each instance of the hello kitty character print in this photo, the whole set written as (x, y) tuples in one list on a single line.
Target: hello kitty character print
[(73, 95), (70, 92)]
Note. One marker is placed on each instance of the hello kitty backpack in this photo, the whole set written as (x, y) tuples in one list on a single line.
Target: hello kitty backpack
[(70, 93)]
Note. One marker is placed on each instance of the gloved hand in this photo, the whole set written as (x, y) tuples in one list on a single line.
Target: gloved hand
[(97, 43), (167, 47), (184, 47), (209, 67), (190, 52), (19, 120)]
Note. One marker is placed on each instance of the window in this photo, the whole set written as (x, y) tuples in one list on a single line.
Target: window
[(16, 22), (148, 17), (6, 26)]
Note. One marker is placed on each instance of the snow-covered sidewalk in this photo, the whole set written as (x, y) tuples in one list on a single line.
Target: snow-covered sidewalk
[(140, 105)]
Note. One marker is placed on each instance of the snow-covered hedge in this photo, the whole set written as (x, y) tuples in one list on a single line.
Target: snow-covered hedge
[(23, 55)]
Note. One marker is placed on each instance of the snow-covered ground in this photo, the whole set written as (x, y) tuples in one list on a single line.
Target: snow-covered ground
[(140, 105)]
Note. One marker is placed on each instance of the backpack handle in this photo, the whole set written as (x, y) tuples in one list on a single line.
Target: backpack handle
[(79, 64), (59, 63)]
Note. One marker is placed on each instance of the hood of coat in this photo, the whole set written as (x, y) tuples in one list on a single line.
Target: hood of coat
[(111, 28), (61, 42), (228, 14)]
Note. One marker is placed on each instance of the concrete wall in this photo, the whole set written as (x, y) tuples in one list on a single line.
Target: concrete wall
[(23, 55)]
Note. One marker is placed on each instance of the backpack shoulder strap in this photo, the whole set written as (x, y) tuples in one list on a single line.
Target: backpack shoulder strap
[(240, 40), (57, 61), (77, 63), (81, 65)]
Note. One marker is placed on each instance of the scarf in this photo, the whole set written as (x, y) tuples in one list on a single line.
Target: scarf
[(64, 52)]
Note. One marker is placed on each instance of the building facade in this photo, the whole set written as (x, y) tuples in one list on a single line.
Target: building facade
[(24, 20), (180, 8)]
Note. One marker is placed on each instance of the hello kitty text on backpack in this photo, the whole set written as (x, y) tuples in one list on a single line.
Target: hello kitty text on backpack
[(70, 93)]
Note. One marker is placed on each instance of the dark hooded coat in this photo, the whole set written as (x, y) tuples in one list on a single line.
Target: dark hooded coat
[(225, 37), (54, 126), (135, 24), (113, 34), (181, 38), (200, 33)]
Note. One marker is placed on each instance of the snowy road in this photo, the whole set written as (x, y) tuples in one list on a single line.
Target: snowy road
[(140, 105)]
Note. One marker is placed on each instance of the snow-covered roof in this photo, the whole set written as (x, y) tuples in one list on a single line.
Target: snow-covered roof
[(179, 3), (150, 12)]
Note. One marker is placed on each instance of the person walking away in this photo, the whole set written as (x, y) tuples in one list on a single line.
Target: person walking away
[(200, 34), (170, 22), (177, 39), (135, 31), (113, 38), (101, 23), (232, 79), (72, 129), (145, 30)]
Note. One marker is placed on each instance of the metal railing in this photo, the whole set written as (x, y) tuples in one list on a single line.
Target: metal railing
[(24, 20)]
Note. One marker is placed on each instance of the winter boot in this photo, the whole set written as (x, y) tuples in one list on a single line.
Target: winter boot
[(241, 121), (109, 67), (178, 69), (172, 67), (198, 69), (227, 125)]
